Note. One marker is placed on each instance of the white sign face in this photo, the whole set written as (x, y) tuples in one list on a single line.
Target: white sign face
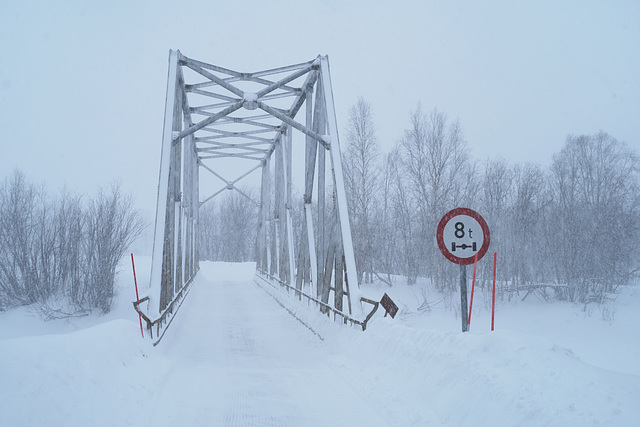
[(463, 236)]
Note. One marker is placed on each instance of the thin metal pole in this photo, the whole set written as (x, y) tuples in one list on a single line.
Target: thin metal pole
[(473, 286), (493, 296), (463, 297), (135, 282)]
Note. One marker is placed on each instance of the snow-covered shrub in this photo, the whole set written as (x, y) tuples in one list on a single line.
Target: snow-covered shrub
[(64, 250)]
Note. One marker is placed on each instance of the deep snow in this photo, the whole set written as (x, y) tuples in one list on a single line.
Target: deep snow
[(234, 356)]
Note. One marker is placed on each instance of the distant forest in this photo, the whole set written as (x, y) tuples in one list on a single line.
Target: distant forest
[(567, 232)]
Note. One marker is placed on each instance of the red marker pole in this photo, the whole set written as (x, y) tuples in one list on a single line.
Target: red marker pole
[(473, 285), (137, 298), (493, 298)]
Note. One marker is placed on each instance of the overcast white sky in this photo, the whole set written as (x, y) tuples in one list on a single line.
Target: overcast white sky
[(82, 84)]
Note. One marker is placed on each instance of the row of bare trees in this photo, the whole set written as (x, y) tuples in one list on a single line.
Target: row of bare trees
[(568, 231), (228, 226), (62, 253)]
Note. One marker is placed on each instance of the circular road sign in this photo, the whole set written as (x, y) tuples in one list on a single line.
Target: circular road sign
[(462, 233)]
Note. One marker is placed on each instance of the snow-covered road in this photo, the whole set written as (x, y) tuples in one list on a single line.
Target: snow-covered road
[(239, 359), (233, 356)]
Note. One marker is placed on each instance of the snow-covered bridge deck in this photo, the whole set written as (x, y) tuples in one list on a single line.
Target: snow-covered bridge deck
[(239, 359)]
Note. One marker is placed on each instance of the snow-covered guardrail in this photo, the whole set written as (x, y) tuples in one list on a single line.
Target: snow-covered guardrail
[(167, 315), (324, 306)]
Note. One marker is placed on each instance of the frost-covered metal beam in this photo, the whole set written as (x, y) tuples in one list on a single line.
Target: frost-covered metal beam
[(231, 88), (279, 84), (227, 182), (210, 120), (221, 149), (281, 70), (163, 185), (245, 133), (336, 164), (286, 119), (175, 249), (221, 135), (203, 109)]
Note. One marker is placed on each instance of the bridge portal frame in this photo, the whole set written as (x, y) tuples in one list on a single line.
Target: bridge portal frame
[(198, 131)]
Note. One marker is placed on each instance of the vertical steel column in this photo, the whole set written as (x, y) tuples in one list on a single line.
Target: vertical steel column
[(287, 152), (159, 241), (341, 196), (313, 121), (196, 210), (307, 264), (176, 196), (190, 163), (264, 217), (272, 234), (278, 211), (321, 243)]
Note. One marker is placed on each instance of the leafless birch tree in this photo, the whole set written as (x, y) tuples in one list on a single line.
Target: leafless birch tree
[(439, 170), (362, 178), (596, 216)]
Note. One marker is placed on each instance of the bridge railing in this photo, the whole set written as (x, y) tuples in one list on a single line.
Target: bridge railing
[(324, 307), (163, 321)]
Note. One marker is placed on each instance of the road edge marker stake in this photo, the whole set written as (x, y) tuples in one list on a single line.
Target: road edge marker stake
[(473, 285), (493, 297), (135, 282)]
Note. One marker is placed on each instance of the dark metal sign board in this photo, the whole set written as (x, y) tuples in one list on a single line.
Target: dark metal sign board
[(389, 305)]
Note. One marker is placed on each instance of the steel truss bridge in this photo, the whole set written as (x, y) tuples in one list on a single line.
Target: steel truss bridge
[(268, 122)]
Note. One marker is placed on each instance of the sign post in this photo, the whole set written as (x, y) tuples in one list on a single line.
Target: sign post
[(461, 234), (135, 281), (464, 313)]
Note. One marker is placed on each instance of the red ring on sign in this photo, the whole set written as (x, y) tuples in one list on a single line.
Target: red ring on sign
[(440, 235)]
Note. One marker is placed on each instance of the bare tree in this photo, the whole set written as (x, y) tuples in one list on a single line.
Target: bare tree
[(111, 227), (439, 169), (386, 250), (69, 225), (61, 249), (405, 220), (362, 183), (596, 213), (526, 255), (495, 208), (208, 232), (227, 230), (238, 229), (17, 236)]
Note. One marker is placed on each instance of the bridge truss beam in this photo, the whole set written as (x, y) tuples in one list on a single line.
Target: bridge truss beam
[(261, 119)]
